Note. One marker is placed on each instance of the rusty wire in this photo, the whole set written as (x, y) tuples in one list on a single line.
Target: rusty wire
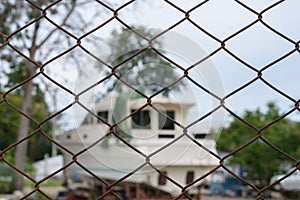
[(185, 75)]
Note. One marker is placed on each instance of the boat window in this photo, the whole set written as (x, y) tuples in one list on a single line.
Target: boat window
[(200, 135), (162, 180), (189, 177), (103, 115), (166, 136), (141, 119), (166, 123)]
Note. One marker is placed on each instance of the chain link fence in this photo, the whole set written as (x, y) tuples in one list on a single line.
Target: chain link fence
[(36, 67)]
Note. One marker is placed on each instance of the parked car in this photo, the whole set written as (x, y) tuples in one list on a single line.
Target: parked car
[(290, 183), (225, 185)]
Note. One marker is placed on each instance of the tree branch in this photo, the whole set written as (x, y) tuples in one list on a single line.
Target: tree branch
[(64, 21)]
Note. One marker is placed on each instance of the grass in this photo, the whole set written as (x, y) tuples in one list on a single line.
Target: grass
[(49, 187), (47, 183)]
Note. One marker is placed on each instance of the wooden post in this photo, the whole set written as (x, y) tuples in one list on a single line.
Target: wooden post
[(127, 190), (103, 188), (138, 191), (198, 196)]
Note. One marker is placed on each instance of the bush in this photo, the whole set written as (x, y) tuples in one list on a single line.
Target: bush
[(6, 179)]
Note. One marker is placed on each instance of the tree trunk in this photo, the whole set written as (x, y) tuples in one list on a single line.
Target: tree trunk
[(21, 149)]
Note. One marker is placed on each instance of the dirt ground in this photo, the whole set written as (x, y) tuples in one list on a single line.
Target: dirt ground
[(52, 192), (275, 196), (204, 197)]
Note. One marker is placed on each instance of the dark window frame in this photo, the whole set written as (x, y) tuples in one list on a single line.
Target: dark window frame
[(103, 115), (141, 119), (164, 123), (162, 179), (166, 136), (190, 176)]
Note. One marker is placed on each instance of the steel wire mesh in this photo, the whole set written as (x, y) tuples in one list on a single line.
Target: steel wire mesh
[(185, 75)]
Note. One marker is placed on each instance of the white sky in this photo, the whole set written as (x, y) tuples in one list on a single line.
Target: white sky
[(258, 46)]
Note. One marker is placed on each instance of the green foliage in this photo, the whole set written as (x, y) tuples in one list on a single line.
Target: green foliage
[(7, 173), (9, 124), (6, 179), (36, 41), (260, 160), (38, 144), (147, 69), (16, 75)]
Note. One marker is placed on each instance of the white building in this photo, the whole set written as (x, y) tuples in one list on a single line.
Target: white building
[(47, 166), (159, 144)]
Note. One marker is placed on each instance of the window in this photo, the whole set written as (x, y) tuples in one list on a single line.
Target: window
[(103, 115), (166, 136), (166, 123), (200, 135), (162, 180), (189, 177), (141, 119)]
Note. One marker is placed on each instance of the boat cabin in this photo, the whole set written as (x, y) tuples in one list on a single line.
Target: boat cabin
[(150, 128)]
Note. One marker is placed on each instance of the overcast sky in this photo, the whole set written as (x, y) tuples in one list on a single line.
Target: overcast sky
[(186, 44)]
